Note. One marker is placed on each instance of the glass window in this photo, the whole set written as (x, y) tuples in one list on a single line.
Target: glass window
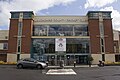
[(60, 30), (26, 59), (117, 58), (27, 15), (102, 42), (20, 28), (42, 46), (19, 48), (107, 15), (47, 46), (102, 48), (40, 30), (81, 30), (77, 45), (15, 15), (103, 57), (93, 15), (3, 46)]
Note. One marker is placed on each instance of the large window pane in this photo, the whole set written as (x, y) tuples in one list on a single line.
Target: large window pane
[(73, 45), (3, 46), (40, 30), (77, 46), (61, 30), (27, 15), (43, 46), (81, 30)]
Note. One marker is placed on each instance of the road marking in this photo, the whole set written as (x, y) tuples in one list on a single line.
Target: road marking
[(61, 72)]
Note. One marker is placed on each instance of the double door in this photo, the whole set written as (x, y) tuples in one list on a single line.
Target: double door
[(55, 59), (67, 59)]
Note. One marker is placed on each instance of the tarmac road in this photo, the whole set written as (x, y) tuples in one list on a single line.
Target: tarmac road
[(10, 72)]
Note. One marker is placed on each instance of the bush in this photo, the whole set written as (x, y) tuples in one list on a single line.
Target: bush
[(90, 58), (112, 63), (2, 62)]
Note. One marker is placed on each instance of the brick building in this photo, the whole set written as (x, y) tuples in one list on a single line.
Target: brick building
[(55, 38)]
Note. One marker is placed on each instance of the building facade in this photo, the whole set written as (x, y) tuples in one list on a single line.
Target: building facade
[(55, 38), (117, 45), (3, 44)]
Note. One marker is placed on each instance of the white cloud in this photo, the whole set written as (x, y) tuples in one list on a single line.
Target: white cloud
[(97, 3), (80, 7), (19, 5), (116, 17)]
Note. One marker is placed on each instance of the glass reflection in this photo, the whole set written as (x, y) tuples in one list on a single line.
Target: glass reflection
[(47, 46), (77, 45), (40, 30), (60, 30)]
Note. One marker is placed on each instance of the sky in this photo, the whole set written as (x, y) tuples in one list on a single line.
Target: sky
[(59, 7)]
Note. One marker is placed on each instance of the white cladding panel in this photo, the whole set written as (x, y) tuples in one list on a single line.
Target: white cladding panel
[(4, 34), (116, 35), (1, 46)]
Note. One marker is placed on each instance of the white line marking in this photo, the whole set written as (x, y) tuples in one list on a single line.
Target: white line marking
[(61, 71)]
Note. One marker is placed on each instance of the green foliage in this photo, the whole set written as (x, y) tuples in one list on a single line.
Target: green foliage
[(90, 58), (2, 62)]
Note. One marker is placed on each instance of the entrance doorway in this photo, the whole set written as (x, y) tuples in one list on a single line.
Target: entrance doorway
[(81, 59), (59, 58), (54, 60)]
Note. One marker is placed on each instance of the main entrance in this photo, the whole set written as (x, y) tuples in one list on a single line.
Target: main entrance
[(54, 50), (54, 60)]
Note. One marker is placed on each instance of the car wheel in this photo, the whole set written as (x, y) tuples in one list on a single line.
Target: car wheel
[(19, 66), (39, 67)]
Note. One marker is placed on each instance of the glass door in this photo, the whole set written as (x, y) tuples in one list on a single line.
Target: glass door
[(81, 59), (59, 58)]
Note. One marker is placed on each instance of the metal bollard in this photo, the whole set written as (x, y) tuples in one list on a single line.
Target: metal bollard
[(62, 64), (74, 63)]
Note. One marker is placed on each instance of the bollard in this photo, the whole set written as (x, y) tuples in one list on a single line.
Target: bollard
[(47, 63), (61, 64), (74, 63)]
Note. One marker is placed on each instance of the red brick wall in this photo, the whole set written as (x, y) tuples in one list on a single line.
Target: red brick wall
[(108, 32), (3, 57), (26, 36), (13, 31), (93, 28), (27, 32)]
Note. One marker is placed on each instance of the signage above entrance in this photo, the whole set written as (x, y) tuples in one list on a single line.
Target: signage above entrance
[(60, 20), (60, 44)]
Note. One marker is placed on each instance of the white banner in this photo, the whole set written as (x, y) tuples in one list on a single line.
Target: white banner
[(60, 44)]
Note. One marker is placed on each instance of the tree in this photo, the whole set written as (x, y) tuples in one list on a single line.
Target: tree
[(40, 48), (90, 59)]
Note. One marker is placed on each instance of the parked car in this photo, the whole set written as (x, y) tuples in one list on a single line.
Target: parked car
[(30, 63)]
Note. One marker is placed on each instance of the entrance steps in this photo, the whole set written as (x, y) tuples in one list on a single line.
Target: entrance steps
[(73, 66)]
